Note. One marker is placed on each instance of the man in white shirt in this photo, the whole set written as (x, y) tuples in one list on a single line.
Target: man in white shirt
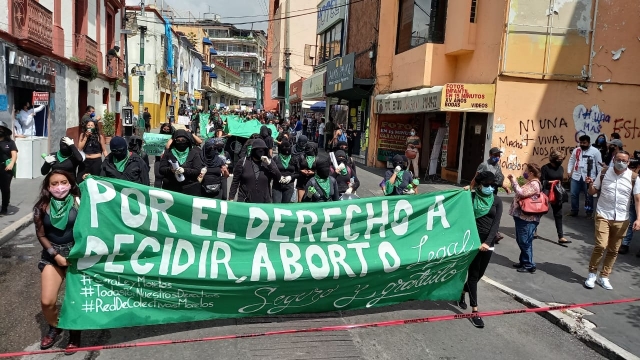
[(617, 185), (584, 162), (321, 134), (25, 118)]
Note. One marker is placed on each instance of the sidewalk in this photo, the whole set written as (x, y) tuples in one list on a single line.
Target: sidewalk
[(24, 193)]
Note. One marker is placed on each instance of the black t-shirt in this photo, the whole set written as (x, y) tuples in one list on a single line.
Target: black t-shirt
[(6, 146), (146, 116)]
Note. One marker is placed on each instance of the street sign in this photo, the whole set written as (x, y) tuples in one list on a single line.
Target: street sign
[(140, 73)]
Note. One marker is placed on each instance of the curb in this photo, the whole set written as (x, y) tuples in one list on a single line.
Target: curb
[(592, 339), (15, 227)]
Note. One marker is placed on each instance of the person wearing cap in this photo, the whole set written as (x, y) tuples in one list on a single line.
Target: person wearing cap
[(124, 164), (252, 176), (398, 180), (135, 145), (585, 162), (614, 146), (8, 158), (492, 164), (181, 165)]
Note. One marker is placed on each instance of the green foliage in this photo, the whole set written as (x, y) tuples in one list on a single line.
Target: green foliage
[(94, 73), (109, 123)]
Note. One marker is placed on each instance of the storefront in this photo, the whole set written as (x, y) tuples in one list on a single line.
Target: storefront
[(277, 93), (295, 96), (452, 121)]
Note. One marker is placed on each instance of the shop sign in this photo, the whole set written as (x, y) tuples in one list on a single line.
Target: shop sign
[(30, 72), (468, 97), (340, 73), (392, 139), (197, 95), (329, 13), (416, 101), (40, 98), (313, 87)]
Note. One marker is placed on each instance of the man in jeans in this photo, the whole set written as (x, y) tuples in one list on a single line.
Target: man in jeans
[(618, 184), (584, 162)]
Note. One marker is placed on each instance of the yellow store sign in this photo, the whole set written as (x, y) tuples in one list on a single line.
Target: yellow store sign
[(468, 97), (197, 95)]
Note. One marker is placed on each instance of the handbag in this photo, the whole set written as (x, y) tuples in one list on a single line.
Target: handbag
[(411, 153), (211, 190), (535, 205), (560, 194)]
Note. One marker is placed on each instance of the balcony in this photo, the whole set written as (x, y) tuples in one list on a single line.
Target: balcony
[(33, 26), (85, 50), (115, 68)]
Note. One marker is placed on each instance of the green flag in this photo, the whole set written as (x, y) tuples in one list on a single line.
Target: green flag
[(237, 127), (145, 256), (204, 125), (154, 144)]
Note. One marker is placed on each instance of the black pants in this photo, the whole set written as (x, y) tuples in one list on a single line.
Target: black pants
[(476, 271), (557, 216), (5, 187), (283, 195), (91, 167)]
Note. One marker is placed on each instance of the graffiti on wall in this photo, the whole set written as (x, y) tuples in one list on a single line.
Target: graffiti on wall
[(589, 121)]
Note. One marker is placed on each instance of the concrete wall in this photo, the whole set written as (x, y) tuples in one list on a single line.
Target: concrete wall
[(362, 35), (66, 22), (58, 124), (71, 92)]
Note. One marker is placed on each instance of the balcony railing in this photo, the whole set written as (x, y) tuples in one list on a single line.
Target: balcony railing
[(33, 25), (85, 50), (115, 68)]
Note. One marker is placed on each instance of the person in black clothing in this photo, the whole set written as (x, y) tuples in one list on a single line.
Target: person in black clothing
[(301, 145), (68, 158), (487, 208), (344, 146), (322, 187), (8, 158), (165, 129), (307, 162), (252, 175), (135, 146), (552, 172), (289, 168), (214, 180), (601, 144), (146, 116), (124, 164), (265, 135), (182, 176), (351, 137), (397, 181), (345, 176), (93, 145)]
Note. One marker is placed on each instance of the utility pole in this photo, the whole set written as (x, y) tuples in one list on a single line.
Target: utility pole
[(287, 58), (143, 30)]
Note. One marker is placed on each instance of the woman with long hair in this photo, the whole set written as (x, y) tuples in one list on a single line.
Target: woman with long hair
[(93, 145), (552, 175), (487, 209), (54, 215), (526, 224)]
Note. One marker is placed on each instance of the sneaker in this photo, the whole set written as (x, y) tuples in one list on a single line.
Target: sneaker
[(50, 339), (461, 303), (590, 283), (624, 249), (604, 282), (477, 321)]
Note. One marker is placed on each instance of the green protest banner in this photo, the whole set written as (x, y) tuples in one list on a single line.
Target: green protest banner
[(204, 125), (146, 256), (237, 127), (154, 143)]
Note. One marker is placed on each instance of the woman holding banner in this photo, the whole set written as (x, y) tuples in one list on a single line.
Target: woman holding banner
[(307, 161), (487, 209), (54, 216), (181, 165)]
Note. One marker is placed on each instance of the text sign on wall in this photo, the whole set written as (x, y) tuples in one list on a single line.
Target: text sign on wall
[(392, 139), (30, 72), (329, 13), (40, 98), (416, 101), (468, 97), (313, 87), (340, 73)]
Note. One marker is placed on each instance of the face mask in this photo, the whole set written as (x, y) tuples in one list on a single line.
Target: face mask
[(601, 141), (495, 159), (584, 147), (286, 151), (301, 145), (487, 190), (413, 133), (612, 148), (93, 114), (65, 150), (119, 154), (182, 146), (258, 153), (557, 162), (620, 166), (323, 172), (525, 175), (60, 191), (219, 148), (341, 160)]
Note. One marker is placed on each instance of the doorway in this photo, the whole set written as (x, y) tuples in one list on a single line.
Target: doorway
[(83, 94), (475, 137)]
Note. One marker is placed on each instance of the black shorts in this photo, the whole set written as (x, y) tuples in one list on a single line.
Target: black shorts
[(46, 259)]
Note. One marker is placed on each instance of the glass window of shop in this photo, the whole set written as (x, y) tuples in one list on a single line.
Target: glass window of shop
[(330, 43), (420, 22)]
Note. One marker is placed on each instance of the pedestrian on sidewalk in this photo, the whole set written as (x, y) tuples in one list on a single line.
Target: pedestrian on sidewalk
[(8, 158), (626, 242), (93, 145), (487, 209), (321, 134), (54, 215), (328, 134), (584, 162), (552, 176), (414, 145), (526, 224), (68, 158), (615, 145), (617, 185)]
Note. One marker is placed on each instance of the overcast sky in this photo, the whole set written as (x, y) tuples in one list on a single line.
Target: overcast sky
[(243, 10)]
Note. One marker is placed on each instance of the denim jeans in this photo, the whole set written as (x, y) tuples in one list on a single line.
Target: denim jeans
[(632, 217), (524, 238), (577, 187)]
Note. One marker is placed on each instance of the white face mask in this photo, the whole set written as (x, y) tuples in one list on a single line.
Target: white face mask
[(618, 165), (413, 133)]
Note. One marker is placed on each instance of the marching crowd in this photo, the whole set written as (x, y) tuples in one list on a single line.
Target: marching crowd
[(204, 167)]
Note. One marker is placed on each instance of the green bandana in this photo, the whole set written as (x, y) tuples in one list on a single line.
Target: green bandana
[(324, 184), (180, 155), (285, 160), (482, 204), (310, 161), (248, 150), (120, 165), (389, 187), (60, 157), (59, 211)]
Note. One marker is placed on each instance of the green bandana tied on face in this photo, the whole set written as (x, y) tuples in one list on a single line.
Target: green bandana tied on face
[(389, 187), (121, 164), (60, 157), (310, 161), (482, 204), (181, 156), (285, 160), (59, 211), (324, 184)]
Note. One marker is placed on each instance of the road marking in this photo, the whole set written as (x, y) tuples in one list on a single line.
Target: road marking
[(25, 246)]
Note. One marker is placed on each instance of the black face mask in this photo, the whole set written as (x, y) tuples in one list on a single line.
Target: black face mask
[(323, 172), (341, 160), (219, 148), (301, 145), (181, 146), (119, 154), (612, 148), (285, 151), (585, 147), (65, 150), (258, 153)]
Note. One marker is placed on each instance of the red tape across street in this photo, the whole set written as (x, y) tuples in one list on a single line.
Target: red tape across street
[(326, 328)]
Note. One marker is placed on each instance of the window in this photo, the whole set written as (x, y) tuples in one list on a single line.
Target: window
[(420, 22), (330, 44), (474, 8)]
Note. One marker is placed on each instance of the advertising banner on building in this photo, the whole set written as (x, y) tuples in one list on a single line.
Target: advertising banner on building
[(30, 72), (468, 97), (145, 256), (340, 73), (329, 13), (410, 102)]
